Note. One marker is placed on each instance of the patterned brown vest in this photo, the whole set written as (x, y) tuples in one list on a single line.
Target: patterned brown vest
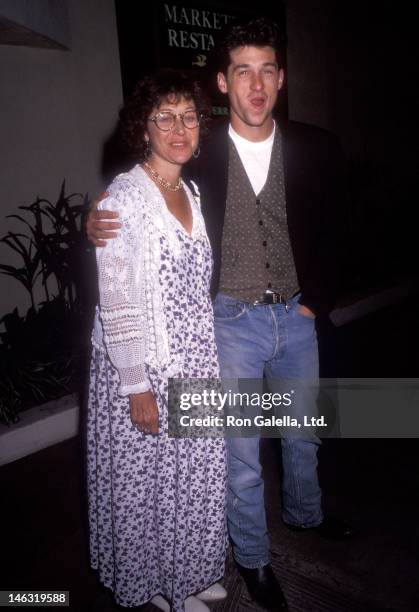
[(256, 251)]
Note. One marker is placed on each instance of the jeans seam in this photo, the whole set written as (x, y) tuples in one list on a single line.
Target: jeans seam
[(276, 332), (296, 483)]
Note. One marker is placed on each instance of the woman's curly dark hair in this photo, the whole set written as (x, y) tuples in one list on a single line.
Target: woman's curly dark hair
[(148, 94)]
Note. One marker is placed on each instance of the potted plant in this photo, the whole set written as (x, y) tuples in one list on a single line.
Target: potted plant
[(43, 353)]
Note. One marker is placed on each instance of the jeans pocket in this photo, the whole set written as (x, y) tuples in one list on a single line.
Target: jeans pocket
[(228, 309)]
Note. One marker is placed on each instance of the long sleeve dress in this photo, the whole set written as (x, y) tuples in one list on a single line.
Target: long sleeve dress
[(156, 503)]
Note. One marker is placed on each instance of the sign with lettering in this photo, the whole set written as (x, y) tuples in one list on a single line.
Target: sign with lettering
[(188, 34)]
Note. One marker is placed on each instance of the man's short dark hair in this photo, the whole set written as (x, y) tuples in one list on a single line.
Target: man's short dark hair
[(258, 32)]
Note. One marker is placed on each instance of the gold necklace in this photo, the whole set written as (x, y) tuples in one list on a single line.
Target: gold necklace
[(162, 181)]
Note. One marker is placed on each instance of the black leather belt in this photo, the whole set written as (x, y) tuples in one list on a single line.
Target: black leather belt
[(270, 297)]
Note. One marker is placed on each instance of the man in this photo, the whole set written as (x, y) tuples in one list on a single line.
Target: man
[(269, 196)]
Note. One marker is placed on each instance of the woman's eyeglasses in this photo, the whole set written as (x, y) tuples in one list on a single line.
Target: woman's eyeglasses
[(166, 120)]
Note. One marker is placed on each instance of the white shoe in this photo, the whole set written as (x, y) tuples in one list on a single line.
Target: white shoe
[(192, 604), (161, 603), (215, 592)]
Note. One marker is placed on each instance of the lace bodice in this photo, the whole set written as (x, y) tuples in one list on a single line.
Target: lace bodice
[(130, 322)]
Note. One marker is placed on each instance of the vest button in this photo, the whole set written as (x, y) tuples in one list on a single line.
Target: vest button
[(269, 285), (264, 243), (257, 201), (260, 222), (268, 265)]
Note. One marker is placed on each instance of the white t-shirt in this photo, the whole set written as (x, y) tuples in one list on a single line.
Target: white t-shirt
[(255, 157)]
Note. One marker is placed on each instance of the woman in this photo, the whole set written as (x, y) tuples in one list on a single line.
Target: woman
[(156, 504)]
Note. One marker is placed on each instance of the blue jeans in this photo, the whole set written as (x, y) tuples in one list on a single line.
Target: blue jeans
[(278, 343)]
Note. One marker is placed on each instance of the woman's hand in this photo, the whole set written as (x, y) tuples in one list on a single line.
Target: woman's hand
[(144, 412), (97, 228)]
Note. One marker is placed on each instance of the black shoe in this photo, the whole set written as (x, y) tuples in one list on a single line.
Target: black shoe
[(331, 528), (263, 587)]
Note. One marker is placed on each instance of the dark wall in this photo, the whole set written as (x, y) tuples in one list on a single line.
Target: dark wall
[(353, 70)]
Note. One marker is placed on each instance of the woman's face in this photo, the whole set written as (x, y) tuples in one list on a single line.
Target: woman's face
[(173, 131)]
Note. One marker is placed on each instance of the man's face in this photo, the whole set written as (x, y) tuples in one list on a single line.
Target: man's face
[(252, 83)]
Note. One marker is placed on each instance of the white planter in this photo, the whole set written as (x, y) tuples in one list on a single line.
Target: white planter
[(40, 427)]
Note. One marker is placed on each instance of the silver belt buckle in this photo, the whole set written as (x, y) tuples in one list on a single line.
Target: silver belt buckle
[(258, 303)]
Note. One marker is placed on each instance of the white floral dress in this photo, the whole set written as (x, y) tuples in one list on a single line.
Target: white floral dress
[(156, 504)]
